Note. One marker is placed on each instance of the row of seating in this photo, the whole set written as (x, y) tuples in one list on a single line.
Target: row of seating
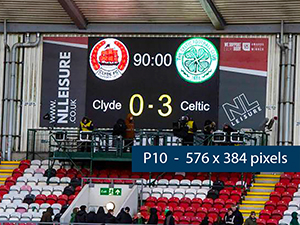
[(186, 202), (24, 207), (290, 187), (266, 222), (282, 205), (287, 178), (275, 214)]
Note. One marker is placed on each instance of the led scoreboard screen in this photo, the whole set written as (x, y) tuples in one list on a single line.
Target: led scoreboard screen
[(157, 80)]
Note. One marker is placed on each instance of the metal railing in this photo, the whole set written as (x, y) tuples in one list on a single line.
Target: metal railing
[(102, 140)]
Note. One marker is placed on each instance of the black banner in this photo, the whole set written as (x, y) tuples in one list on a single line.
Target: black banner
[(64, 81)]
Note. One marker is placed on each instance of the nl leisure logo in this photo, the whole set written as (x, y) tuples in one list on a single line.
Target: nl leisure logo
[(109, 59), (197, 60)]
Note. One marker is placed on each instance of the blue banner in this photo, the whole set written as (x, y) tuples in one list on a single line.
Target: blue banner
[(216, 159)]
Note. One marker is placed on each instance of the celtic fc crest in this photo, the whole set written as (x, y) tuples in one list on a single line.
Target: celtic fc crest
[(196, 60)]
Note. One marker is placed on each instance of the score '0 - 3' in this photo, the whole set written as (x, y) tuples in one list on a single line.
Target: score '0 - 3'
[(167, 104)]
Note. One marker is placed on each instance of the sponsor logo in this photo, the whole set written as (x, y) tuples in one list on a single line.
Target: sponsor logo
[(196, 60), (241, 110), (109, 59)]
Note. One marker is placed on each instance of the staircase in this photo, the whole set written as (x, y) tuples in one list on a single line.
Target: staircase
[(259, 193), (6, 169)]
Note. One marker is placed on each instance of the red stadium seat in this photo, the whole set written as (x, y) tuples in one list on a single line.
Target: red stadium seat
[(184, 220), (223, 177), (178, 211), (4, 189), (161, 202), (24, 164), (17, 173), (63, 199), (71, 198), (272, 222), (285, 178), (213, 213), (207, 203), (219, 203), (270, 205), (282, 206), (10, 181), (176, 218), (161, 219), (224, 194), (190, 211), (185, 202), (72, 170), (265, 214), (144, 211), (51, 199), (277, 215), (296, 179), (196, 202), (235, 195), (275, 196), (292, 188), (40, 199), (287, 197), (168, 176), (229, 203), (223, 212), (179, 177), (77, 190), (229, 185), (261, 222), (280, 187), (201, 212), (173, 202), (196, 220), (135, 176)]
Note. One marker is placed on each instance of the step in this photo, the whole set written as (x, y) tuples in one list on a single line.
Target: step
[(5, 175), (257, 198), (245, 211), (259, 193), (10, 162), (247, 202), (264, 185), (262, 189), (267, 176), (251, 207), (267, 180), (8, 166), (6, 171)]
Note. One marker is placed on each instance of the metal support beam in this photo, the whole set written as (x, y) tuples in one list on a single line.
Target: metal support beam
[(184, 29), (74, 13), (213, 14)]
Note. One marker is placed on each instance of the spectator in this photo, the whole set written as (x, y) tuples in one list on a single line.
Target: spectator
[(129, 134), (208, 129), (58, 215), (169, 220), (73, 215), (228, 130), (252, 219), (139, 219), (110, 217), (124, 216), (100, 217), (205, 221), (191, 129), (47, 216), (86, 125), (238, 216), (294, 220), (229, 217), (153, 219), (91, 216), (81, 215)]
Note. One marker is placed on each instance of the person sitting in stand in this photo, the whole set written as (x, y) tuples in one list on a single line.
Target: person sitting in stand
[(86, 125), (228, 130), (208, 129)]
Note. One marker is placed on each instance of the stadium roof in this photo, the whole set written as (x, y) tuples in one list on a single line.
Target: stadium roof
[(82, 13)]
